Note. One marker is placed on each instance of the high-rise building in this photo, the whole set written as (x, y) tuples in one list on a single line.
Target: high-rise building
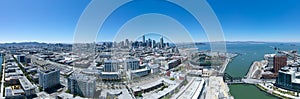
[(153, 44), (161, 42), (127, 42), (279, 62), (122, 43), (111, 66), (82, 85), (144, 39), (149, 43), (49, 78), (131, 64)]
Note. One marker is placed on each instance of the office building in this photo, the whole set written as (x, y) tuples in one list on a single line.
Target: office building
[(127, 43), (138, 73), (49, 78), (153, 44), (148, 43), (288, 78), (82, 85), (161, 42), (111, 70), (21, 58), (279, 62), (110, 75), (111, 66), (131, 64), (144, 39)]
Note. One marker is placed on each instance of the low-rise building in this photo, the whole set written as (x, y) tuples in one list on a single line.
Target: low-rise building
[(27, 86), (82, 64), (110, 75), (270, 59), (138, 73), (172, 64), (14, 92), (12, 80), (154, 68)]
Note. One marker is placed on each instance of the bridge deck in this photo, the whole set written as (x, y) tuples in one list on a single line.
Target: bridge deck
[(239, 80)]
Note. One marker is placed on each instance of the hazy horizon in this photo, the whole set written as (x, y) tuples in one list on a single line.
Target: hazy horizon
[(56, 21)]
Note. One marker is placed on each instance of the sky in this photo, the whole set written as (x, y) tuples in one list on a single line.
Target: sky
[(54, 21)]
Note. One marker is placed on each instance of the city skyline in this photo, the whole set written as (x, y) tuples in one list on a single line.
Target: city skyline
[(150, 49), (54, 22)]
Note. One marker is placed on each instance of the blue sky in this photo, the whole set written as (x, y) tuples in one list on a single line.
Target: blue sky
[(39, 20), (241, 20), (259, 20)]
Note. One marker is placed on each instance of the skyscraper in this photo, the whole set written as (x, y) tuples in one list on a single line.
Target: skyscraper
[(126, 42), (153, 44), (161, 42), (144, 39), (149, 43)]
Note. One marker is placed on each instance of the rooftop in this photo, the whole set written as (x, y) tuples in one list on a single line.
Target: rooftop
[(111, 61), (124, 93), (82, 77), (110, 73), (25, 83), (131, 60), (48, 70), (140, 70), (192, 89)]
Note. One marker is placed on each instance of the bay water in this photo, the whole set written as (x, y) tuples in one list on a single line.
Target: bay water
[(239, 66)]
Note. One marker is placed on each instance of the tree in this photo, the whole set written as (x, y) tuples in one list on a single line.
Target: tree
[(172, 79), (139, 94)]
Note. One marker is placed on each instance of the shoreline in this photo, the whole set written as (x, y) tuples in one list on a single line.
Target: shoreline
[(223, 69), (273, 93), (227, 61), (252, 69), (249, 74)]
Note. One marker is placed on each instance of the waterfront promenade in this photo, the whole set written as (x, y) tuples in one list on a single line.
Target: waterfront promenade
[(269, 88), (222, 70), (2, 79)]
